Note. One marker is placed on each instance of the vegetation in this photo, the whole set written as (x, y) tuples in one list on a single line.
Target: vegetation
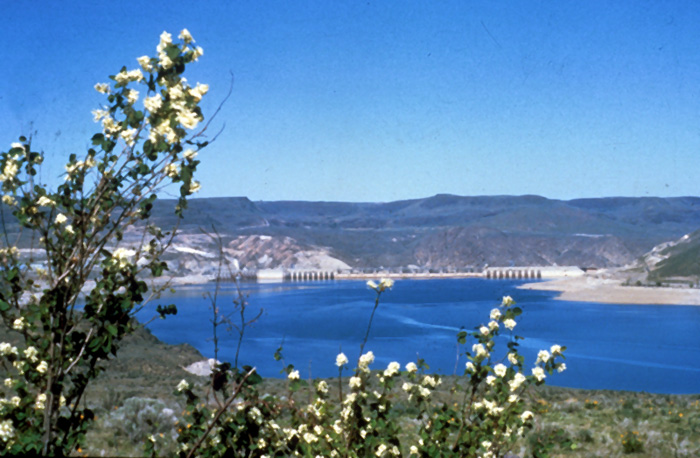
[(64, 392), (63, 339)]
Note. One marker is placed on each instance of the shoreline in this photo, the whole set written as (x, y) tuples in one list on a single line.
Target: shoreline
[(589, 288), (584, 288)]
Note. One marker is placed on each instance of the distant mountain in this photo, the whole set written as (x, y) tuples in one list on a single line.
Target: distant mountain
[(448, 231), (440, 232)]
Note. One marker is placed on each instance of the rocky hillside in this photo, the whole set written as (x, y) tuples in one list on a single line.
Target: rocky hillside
[(439, 232), (445, 231), (679, 259)]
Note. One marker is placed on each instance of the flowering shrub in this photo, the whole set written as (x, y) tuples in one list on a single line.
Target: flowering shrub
[(146, 142), (370, 418), (58, 346)]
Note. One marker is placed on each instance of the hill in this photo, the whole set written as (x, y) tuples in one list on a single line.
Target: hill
[(442, 232), (675, 260), (453, 232)]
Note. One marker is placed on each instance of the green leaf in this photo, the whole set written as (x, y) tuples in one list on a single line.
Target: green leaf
[(462, 337)]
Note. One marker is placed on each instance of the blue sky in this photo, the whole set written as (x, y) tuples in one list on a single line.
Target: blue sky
[(381, 101)]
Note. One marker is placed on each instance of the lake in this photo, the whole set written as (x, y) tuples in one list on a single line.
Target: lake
[(620, 347)]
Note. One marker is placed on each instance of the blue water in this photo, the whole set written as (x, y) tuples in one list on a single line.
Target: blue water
[(621, 347)]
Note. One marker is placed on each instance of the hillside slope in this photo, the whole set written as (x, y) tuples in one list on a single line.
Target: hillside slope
[(439, 232)]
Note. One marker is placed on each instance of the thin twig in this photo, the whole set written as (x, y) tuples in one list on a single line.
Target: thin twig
[(220, 413)]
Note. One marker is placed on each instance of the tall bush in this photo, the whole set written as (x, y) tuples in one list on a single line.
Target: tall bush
[(386, 412), (147, 141)]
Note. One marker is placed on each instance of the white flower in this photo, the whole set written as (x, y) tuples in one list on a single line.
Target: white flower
[(355, 382), (69, 229), (407, 386), (386, 283), (188, 119), (97, 115), (392, 369), (380, 450), (309, 437), (109, 125), (10, 170), (527, 415), (561, 367), (135, 75), (411, 367), (509, 323), (132, 96), (372, 285), (538, 372), (153, 104), (42, 367), (186, 36), (9, 382), (145, 63), (7, 431), (45, 202), (189, 154), (480, 351), (431, 381), (7, 349), (121, 77), (322, 387), (490, 380), (31, 353), (197, 53), (15, 400), (8, 200), (198, 92), (129, 136), (470, 367), (172, 170), (484, 331), (294, 375), (517, 381), (195, 186), (60, 219), (513, 358), (122, 255), (165, 39), (18, 324), (413, 450), (543, 356), (165, 61), (40, 402), (366, 359), (507, 301), (556, 350), (341, 360), (500, 370), (182, 386), (493, 325), (513, 398), (102, 88), (495, 314), (423, 391)]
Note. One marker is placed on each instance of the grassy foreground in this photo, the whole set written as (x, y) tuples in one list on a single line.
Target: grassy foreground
[(134, 399)]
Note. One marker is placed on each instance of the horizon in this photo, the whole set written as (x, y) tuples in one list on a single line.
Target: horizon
[(349, 102), (198, 197)]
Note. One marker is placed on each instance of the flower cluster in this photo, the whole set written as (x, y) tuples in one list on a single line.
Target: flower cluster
[(384, 284), (364, 422), (146, 120)]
